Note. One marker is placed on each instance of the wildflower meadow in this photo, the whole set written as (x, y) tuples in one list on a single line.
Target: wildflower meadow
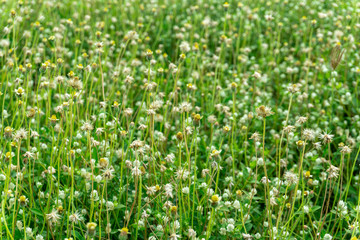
[(179, 119)]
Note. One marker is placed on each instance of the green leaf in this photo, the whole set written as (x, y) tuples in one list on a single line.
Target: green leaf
[(314, 209), (37, 212), (79, 236)]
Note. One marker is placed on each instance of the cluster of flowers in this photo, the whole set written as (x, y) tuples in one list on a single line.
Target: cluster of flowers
[(179, 119)]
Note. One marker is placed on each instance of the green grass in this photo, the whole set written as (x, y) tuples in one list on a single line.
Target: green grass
[(178, 119)]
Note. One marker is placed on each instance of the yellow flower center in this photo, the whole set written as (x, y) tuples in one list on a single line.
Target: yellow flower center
[(215, 198)]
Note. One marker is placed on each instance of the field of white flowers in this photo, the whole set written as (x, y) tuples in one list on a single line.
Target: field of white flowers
[(179, 119)]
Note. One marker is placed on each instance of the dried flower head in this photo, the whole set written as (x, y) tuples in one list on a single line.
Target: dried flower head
[(333, 172), (264, 111), (335, 56)]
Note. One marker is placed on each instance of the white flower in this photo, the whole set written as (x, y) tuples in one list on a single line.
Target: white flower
[(186, 190), (29, 232), (135, 171), (327, 237), (19, 225), (345, 150), (247, 236), (185, 47), (191, 233), (333, 172), (20, 134), (230, 228), (326, 137), (174, 236), (308, 134), (256, 75), (236, 204), (168, 190), (341, 209), (215, 153), (306, 209), (53, 217), (75, 217), (291, 178), (20, 91)]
